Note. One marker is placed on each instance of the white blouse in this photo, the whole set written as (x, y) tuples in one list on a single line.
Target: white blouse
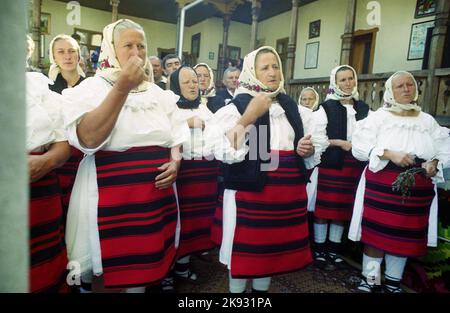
[(281, 134), (420, 136), (44, 119), (146, 118), (194, 147)]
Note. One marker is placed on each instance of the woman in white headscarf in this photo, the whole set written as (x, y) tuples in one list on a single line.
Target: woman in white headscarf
[(207, 87), (123, 214), (396, 138), (264, 217), (339, 171), (47, 149)]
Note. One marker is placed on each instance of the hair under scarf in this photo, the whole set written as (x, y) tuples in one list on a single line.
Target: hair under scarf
[(211, 90), (335, 93), (182, 103), (109, 67), (54, 68), (390, 104), (249, 84), (316, 102)]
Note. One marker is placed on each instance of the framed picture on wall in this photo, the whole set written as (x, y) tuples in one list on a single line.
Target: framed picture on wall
[(418, 39), (311, 55), (314, 29), (45, 23), (195, 45), (425, 8)]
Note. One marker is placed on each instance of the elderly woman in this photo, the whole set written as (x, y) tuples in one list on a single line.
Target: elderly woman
[(197, 178), (265, 229), (123, 214), (47, 149), (207, 87), (65, 72), (396, 138), (339, 171)]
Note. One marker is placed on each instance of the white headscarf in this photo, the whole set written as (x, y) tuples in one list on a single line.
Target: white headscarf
[(249, 84), (316, 103), (389, 101), (109, 66), (335, 93), (211, 90), (54, 68)]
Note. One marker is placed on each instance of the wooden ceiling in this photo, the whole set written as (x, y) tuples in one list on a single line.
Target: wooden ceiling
[(166, 10)]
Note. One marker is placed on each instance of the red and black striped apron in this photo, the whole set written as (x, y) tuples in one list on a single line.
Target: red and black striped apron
[(197, 197), (47, 248), (217, 225), (271, 234), (388, 224), (66, 175), (136, 220), (336, 189)]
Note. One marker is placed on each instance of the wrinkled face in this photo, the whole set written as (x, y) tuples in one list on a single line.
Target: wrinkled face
[(404, 89), (188, 84), (204, 78), (129, 42), (65, 55), (345, 80), (172, 65), (231, 79), (308, 99), (268, 70), (157, 69)]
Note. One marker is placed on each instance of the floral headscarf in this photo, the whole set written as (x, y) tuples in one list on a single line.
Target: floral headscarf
[(335, 93), (316, 103), (249, 84), (109, 66), (54, 68), (389, 101)]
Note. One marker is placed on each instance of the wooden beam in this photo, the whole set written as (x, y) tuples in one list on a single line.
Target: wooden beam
[(292, 42), (115, 10), (226, 7), (256, 9), (348, 32)]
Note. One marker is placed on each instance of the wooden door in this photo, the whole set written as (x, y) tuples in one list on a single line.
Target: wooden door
[(363, 51), (282, 45)]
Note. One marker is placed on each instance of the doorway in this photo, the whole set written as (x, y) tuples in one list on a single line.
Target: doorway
[(363, 50)]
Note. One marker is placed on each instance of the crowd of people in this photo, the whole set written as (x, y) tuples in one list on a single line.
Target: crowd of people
[(145, 164)]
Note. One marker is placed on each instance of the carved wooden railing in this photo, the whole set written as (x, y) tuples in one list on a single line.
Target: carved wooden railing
[(371, 90)]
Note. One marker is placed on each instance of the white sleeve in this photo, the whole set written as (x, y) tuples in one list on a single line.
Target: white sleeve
[(180, 132), (216, 141), (318, 131), (441, 142), (52, 102)]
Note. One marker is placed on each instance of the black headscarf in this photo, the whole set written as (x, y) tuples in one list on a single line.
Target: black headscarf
[(183, 103)]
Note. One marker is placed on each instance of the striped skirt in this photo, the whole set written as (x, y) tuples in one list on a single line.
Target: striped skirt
[(336, 190), (216, 228), (197, 197), (47, 248), (136, 220), (271, 234), (66, 175), (390, 224)]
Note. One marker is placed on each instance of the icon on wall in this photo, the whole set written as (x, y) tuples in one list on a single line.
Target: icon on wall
[(314, 29)]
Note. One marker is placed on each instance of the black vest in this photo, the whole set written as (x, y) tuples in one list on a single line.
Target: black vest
[(60, 84), (333, 157), (247, 175), (215, 103)]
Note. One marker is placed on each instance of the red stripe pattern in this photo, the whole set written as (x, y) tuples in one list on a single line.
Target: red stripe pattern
[(197, 196), (47, 248), (136, 220), (336, 190), (271, 235), (216, 229), (397, 227)]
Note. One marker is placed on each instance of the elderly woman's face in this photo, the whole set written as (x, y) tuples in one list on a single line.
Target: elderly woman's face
[(308, 99), (204, 78), (345, 80), (188, 84), (65, 55), (127, 43), (268, 70), (404, 89)]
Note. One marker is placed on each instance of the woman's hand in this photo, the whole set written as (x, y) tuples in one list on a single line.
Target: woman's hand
[(196, 122), (259, 105), (168, 175), (343, 144), (38, 167), (430, 167), (132, 75), (399, 158), (305, 147)]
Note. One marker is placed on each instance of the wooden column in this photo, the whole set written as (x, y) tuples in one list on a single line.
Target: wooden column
[(115, 9), (36, 32), (256, 9), (292, 42), (226, 27), (348, 32), (436, 55)]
